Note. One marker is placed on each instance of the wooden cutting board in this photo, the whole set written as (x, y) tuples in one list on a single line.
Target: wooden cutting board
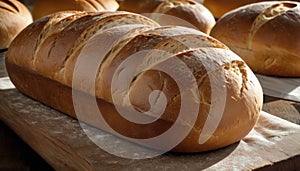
[(274, 143)]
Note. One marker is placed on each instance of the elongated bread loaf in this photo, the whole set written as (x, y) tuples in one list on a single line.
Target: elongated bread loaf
[(14, 17), (266, 35), (162, 78), (187, 13), (42, 8)]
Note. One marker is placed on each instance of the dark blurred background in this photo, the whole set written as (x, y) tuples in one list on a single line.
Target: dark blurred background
[(28, 3)]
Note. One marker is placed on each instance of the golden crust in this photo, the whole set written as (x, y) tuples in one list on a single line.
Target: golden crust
[(205, 62)]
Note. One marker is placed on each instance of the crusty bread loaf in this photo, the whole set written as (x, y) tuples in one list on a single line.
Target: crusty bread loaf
[(14, 17), (95, 52), (42, 8), (220, 7), (184, 12), (266, 35)]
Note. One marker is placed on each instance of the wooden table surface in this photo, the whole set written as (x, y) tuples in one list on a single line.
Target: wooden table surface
[(61, 141)]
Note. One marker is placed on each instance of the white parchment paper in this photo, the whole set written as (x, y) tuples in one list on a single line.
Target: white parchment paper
[(6, 84)]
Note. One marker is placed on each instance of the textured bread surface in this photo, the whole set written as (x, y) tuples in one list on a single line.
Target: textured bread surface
[(266, 35), (14, 17), (42, 8), (173, 12), (96, 53)]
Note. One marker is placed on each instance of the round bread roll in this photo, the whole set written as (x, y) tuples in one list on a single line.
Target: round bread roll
[(14, 17), (266, 35), (188, 13), (44, 7), (220, 7)]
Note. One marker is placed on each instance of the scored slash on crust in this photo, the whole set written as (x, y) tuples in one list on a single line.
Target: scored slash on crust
[(267, 15), (9, 6)]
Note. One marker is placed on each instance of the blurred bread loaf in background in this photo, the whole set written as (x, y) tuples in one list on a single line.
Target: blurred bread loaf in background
[(187, 13), (14, 17), (173, 12)]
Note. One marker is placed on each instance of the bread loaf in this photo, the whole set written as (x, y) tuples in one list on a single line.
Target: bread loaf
[(185, 12), (14, 17), (129, 62), (42, 8), (220, 7), (266, 35)]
